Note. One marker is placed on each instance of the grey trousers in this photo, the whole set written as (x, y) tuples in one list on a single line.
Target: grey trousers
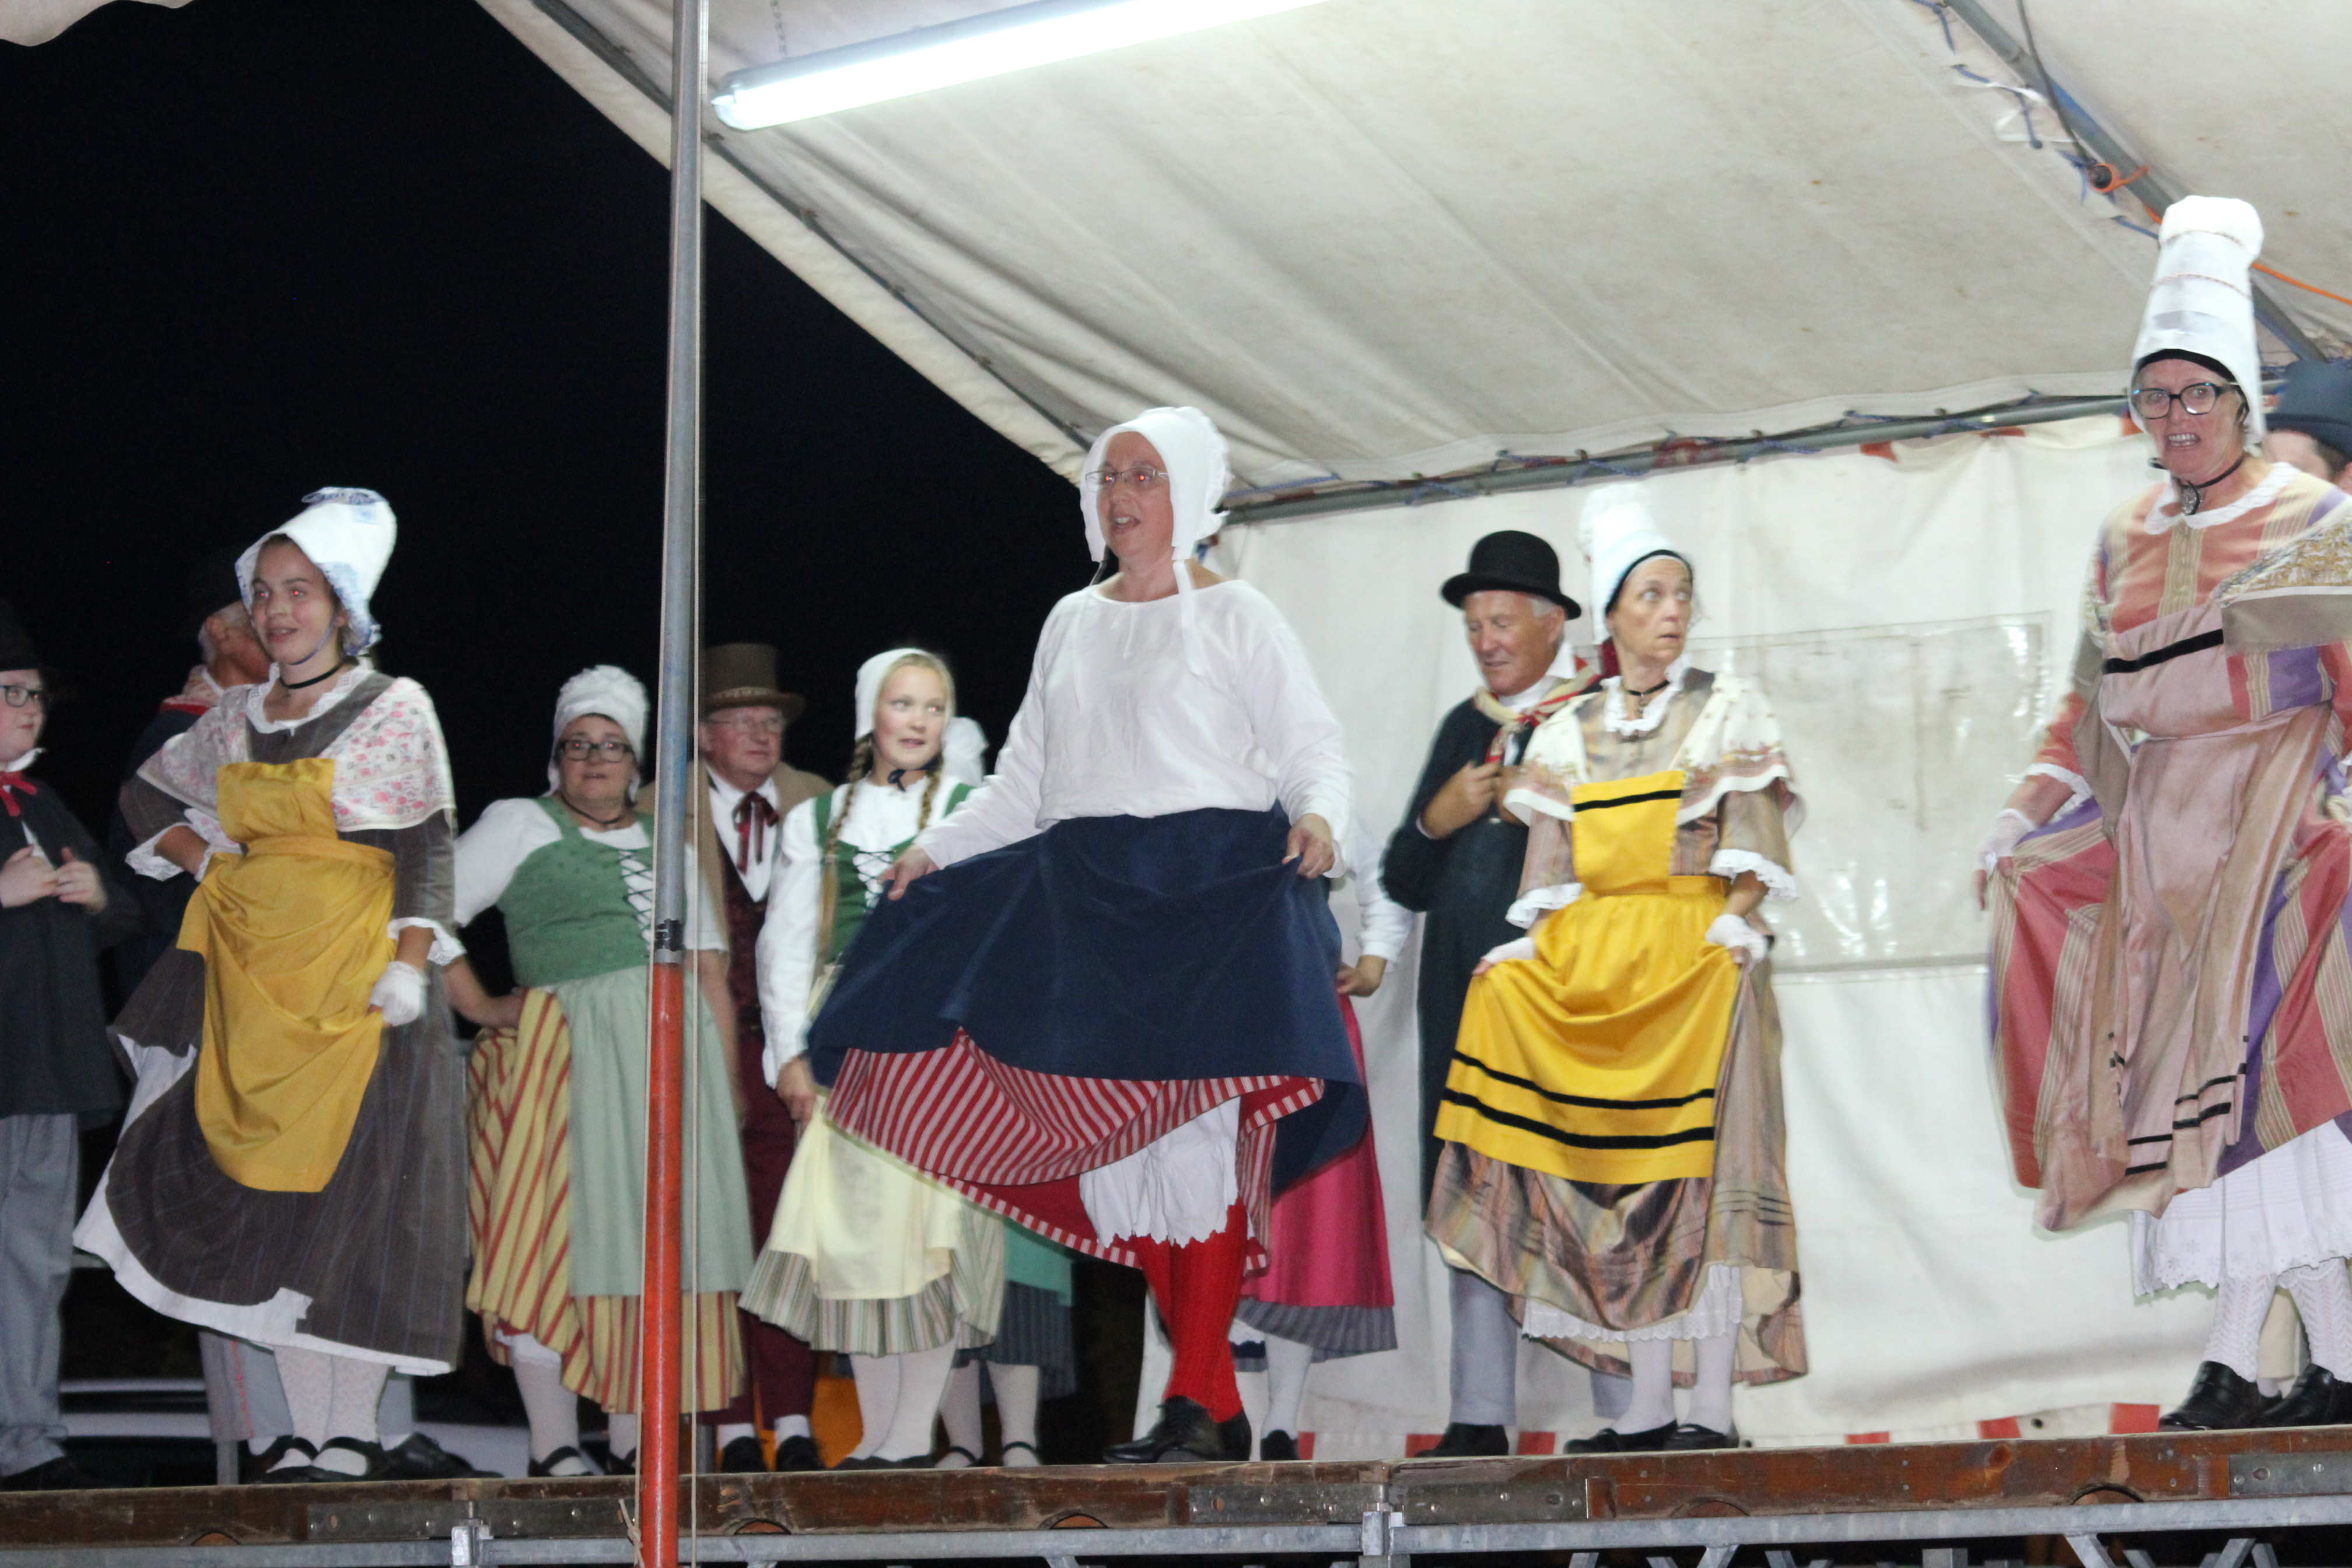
[(41, 1167), (1486, 1360), (247, 1402)]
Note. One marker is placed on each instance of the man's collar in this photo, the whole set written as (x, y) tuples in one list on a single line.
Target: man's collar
[(728, 794)]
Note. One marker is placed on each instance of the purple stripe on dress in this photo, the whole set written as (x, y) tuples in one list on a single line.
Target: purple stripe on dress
[(2295, 679), (2263, 1006)]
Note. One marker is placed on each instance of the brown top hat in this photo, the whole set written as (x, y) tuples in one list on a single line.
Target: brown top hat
[(743, 675)]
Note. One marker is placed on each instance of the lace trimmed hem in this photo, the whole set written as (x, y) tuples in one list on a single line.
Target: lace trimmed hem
[(1714, 1314)]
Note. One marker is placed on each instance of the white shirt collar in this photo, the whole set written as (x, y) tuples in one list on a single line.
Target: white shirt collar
[(726, 795), (21, 763)]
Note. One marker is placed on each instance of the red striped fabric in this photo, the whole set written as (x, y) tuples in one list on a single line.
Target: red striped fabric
[(1016, 1141)]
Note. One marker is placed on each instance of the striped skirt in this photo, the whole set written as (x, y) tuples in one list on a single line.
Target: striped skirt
[(518, 1210)]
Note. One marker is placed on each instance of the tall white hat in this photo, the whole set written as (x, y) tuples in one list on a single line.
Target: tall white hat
[(348, 534), (606, 690), (2202, 301), (1617, 534)]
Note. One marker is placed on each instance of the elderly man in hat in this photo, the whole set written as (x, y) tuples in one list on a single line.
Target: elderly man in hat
[(1456, 858), (2311, 425), (751, 787)]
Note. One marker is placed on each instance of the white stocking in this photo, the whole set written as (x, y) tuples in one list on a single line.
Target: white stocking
[(1017, 1410), (2238, 1309), (960, 1413), (1288, 1364), (1710, 1404), (2324, 1296), (922, 1379), (877, 1396), (1652, 1404), (358, 1396), (308, 1377), (552, 1409), (621, 1434)]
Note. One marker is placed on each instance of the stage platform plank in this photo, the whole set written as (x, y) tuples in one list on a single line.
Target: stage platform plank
[(1988, 1477)]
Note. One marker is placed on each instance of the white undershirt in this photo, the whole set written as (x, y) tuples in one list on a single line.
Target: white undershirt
[(1115, 725), (723, 796), (511, 831)]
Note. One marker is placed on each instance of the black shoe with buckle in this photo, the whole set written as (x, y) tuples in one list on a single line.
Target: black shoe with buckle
[(1185, 1432), (798, 1453), (2319, 1399), (546, 1467), (2219, 1400), (419, 1458), (1469, 1440), (1609, 1440)]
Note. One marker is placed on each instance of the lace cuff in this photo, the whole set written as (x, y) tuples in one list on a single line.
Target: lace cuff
[(446, 949), (1531, 907), (2072, 780), (1779, 882), (149, 861)]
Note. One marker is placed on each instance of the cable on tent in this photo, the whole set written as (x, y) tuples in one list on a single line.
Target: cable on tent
[(1423, 486), (1944, 17), (1586, 462), (2025, 96), (1232, 496), (1763, 444)]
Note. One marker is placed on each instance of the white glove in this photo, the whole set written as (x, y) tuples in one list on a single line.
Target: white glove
[(1748, 944), (1510, 952), (399, 994), (2001, 841)]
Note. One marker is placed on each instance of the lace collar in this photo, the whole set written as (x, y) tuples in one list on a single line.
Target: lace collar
[(1615, 702), (2167, 511), (335, 693)]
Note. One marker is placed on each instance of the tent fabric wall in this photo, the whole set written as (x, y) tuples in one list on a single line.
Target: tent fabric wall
[(1932, 1303), (1380, 237)]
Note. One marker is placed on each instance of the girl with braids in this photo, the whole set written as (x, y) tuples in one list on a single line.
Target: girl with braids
[(867, 1255)]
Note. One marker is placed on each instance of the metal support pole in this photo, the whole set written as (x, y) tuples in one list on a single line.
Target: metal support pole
[(657, 1452), (2104, 147)]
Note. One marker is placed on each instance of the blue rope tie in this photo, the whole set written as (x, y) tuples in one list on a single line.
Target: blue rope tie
[(1943, 17)]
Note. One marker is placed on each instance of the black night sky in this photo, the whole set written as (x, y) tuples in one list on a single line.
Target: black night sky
[(257, 246)]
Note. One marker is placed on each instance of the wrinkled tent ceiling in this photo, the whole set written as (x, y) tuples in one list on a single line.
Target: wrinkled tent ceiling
[(1375, 237)]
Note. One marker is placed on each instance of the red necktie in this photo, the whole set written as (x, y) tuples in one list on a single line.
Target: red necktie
[(12, 784), (753, 817)]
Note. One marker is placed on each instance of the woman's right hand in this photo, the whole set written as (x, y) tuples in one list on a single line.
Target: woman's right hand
[(797, 1087), (28, 878), (494, 1012), (913, 865), (1509, 952)]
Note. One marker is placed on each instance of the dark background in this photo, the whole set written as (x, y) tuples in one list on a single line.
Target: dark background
[(258, 247)]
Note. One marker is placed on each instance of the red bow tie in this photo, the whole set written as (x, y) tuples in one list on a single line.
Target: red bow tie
[(12, 784), (753, 817)]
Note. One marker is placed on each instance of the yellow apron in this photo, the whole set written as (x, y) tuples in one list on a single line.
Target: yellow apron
[(1597, 1062), (294, 934)]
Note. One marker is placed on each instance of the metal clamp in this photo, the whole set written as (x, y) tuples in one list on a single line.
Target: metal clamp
[(469, 1543), (1380, 1525)]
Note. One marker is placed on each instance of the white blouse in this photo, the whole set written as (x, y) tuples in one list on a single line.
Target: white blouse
[(511, 831), (883, 817), (1115, 725)]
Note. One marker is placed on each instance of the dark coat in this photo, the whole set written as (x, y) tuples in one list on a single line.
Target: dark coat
[(56, 1058), (1464, 884), (161, 904)]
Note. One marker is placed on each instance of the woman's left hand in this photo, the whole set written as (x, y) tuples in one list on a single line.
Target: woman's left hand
[(1748, 944), (79, 883), (1311, 845), (399, 994), (1363, 978)]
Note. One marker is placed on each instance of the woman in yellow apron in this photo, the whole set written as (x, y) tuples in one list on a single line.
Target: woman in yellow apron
[(291, 1170), (1611, 1118)]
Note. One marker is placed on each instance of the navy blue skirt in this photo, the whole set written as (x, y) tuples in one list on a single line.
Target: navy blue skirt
[(1115, 947)]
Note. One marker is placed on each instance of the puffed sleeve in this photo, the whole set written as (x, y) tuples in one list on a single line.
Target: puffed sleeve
[(787, 950), (489, 852), (1289, 720)]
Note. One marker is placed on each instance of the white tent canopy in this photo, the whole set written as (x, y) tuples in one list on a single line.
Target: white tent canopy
[(1378, 237)]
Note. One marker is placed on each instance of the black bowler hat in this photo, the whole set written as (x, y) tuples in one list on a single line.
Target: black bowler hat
[(1511, 562), (15, 643), (2318, 400)]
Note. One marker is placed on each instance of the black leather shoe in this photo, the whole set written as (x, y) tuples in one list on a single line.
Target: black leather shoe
[(272, 1470), (370, 1455), (1278, 1446), (2319, 1399), (1609, 1440), (798, 1454), (58, 1475), (420, 1459), (2219, 1400), (547, 1467), (1184, 1433), (251, 1467), (742, 1457), (1690, 1438), (1463, 1440)]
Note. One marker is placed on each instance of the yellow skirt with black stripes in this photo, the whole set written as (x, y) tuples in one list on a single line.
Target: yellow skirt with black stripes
[(1597, 1060)]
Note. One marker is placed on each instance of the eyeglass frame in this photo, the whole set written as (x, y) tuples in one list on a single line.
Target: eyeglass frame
[(601, 750), (2168, 396), (1141, 475), (16, 696)]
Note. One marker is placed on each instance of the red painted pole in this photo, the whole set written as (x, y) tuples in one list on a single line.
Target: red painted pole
[(658, 1351)]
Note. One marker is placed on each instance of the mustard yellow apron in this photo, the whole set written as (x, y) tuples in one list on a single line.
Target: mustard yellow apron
[(1597, 1062), (294, 934)]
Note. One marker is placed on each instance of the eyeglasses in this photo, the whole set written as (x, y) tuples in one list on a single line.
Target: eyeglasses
[(579, 751), (751, 724), (2197, 397), (18, 696), (1140, 477)]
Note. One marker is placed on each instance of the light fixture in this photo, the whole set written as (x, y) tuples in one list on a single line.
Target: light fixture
[(992, 44)]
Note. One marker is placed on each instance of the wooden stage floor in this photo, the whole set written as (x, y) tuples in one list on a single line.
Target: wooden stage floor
[(1784, 1506)]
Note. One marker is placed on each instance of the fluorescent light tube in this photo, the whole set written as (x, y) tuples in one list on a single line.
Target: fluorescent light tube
[(989, 45)]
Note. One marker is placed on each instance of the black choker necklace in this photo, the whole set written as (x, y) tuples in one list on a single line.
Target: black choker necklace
[(899, 774), (1645, 696), (603, 826), (298, 685), (2193, 496)]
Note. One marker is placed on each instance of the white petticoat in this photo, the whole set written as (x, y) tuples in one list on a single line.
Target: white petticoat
[(2291, 1208), (1177, 1188), (1715, 1312)]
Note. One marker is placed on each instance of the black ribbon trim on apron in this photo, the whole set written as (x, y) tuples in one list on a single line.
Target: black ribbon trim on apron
[(1630, 799), (1462, 1055), (2197, 644), (1579, 1140)]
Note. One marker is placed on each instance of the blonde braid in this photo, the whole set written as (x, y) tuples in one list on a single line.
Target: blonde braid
[(930, 792)]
